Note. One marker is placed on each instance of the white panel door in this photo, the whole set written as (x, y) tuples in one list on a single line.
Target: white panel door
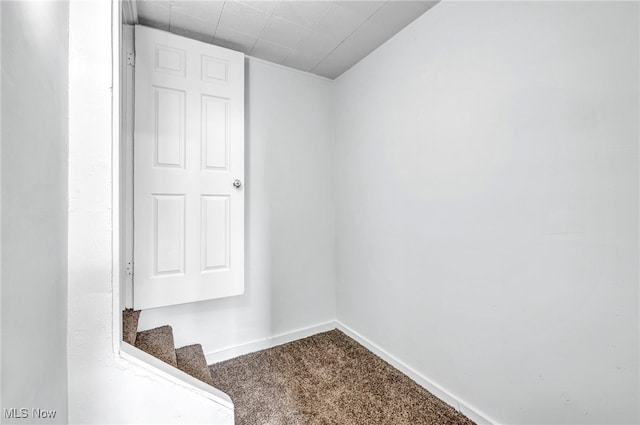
[(188, 168)]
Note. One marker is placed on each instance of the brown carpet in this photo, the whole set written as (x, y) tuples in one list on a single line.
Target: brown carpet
[(326, 379), (159, 343), (130, 325), (191, 360)]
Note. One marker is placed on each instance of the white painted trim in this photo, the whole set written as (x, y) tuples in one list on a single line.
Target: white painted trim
[(1, 405), (174, 375), (286, 68), (129, 12), (116, 22), (263, 344), (437, 390), (126, 161)]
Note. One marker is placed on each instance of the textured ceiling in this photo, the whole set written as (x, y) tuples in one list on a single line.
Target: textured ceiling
[(322, 37)]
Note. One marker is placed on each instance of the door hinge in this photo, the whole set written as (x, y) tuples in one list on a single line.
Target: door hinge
[(129, 268), (131, 59)]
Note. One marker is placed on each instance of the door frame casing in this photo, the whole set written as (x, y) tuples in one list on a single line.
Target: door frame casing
[(126, 162), (124, 14)]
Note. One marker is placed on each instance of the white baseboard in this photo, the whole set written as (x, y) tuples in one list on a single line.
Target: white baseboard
[(456, 402), (263, 344)]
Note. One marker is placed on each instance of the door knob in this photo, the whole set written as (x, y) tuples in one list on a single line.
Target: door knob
[(237, 183)]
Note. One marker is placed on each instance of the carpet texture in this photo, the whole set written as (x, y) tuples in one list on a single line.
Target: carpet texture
[(326, 379), (130, 325), (159, 343), (191, 360)]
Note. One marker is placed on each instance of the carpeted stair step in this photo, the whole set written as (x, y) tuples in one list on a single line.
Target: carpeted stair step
[(191, 360), (130, 325), (159, 343)]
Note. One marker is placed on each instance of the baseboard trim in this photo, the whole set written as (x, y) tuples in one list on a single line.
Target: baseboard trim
[(443, 394), (451, 399), (263, 344), (174, 375)]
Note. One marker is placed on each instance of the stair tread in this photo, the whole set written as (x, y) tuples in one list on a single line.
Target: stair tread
[(130, 325), (159, 343), (191, 360)]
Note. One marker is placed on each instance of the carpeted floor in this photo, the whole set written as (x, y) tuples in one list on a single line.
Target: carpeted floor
[(326, 379)]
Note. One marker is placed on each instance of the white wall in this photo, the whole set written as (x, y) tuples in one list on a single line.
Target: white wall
[(487, 206), (485, 179), (103, 388), (34, 207), (289, 244)]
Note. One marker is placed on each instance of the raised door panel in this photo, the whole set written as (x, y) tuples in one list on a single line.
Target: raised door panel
[(169, 234), (169, 127), (215, 132)]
